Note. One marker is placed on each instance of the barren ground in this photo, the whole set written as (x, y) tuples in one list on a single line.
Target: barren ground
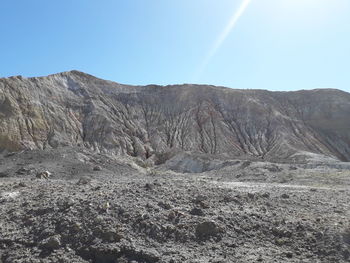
[(124, 213)]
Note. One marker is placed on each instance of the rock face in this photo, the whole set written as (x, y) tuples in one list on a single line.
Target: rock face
[(74, 108)]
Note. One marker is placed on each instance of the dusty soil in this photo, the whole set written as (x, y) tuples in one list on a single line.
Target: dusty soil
[(94, 208)]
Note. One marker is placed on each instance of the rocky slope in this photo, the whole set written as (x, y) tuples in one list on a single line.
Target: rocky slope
[(74, 108)]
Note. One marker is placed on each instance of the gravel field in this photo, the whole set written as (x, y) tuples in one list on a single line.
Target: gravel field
[(104, 210)]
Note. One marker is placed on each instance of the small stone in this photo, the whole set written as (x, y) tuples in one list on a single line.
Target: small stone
[(83, 181), (200, 198), (148, 186), (67, 203), (220, 218), (285, 196), (52, 243), (197, 211), (201, 201), (111, 236), (22, 184), (97, 168), (204, 205), (207, 229), (43, 175), (266, 195), (105, 207), (164, 205), (251, 195)]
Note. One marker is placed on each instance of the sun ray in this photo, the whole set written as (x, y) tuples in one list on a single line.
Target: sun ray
[(222, 37)]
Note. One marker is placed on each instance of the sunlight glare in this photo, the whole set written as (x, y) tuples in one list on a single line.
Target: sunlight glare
[(222, 37)]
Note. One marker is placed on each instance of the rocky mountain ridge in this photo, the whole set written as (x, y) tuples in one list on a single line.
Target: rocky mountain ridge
[(153, 122)]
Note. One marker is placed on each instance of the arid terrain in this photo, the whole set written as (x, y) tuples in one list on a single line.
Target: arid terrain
[(95, 171), (97, 209)]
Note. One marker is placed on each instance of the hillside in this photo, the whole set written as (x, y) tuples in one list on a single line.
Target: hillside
[(74, 108)]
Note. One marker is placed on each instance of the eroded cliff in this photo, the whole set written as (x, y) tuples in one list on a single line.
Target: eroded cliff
[(74, 108)]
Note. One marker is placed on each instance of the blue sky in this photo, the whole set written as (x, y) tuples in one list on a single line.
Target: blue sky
[(273, 44)]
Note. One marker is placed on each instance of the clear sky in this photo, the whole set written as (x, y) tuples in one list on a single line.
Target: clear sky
[(248, 44)]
